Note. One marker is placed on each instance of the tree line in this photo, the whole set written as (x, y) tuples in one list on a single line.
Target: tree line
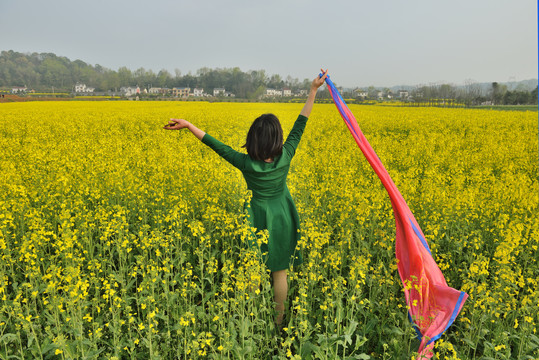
[(473, 93), (500, 95), (44, 71)]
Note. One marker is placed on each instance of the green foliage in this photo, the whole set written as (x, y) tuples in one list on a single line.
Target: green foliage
[(43, 71), (509, 107)]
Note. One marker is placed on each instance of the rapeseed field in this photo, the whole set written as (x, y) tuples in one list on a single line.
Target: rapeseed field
[(121, 240)]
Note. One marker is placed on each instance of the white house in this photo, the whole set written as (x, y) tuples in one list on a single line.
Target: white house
[(18, 89), (274, 92), (362, 94), (403, 94), (158, 90), (82, 88), (130, 90), (198, 92), (219, 92), (287, 92), (79, 88)]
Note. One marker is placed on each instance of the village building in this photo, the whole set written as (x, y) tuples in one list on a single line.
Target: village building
[(219, 92), (403, 94), (158, 90), (181, 91), (361, 94), (274, 92), (287, 92), (82, 88), (130, 90), (18, 89), (198, 92)]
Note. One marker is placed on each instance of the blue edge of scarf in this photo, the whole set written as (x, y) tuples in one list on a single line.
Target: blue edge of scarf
[(462, 293)]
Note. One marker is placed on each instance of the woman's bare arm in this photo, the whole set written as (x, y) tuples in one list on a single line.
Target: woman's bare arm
[(177, 124), (319, 81)]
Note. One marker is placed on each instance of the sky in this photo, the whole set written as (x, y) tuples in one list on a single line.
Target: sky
[(362, 43)]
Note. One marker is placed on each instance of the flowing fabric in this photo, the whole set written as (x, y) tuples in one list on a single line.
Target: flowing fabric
[(432, 304)]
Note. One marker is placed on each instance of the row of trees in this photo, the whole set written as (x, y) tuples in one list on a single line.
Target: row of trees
[(472, 93), (500, 95), (43, 71)]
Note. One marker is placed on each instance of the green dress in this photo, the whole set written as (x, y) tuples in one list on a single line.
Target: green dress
[(271, 205)]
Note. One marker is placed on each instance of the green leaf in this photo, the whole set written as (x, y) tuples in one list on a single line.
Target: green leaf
[(352, 327), (347, 339), (470, 343), (30, 341), (7, 338), (245, 351), (361, 356), (93, 354), (396, 331), (534, 339), (308, 348), (360, 341), (47, 346)]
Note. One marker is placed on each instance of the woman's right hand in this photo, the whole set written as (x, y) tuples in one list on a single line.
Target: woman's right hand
[(177, 124)]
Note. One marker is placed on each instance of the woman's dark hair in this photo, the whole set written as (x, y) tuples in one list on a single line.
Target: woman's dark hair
[(265, 138)]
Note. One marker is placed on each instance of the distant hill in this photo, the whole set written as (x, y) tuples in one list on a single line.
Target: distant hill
[(524, 85)]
